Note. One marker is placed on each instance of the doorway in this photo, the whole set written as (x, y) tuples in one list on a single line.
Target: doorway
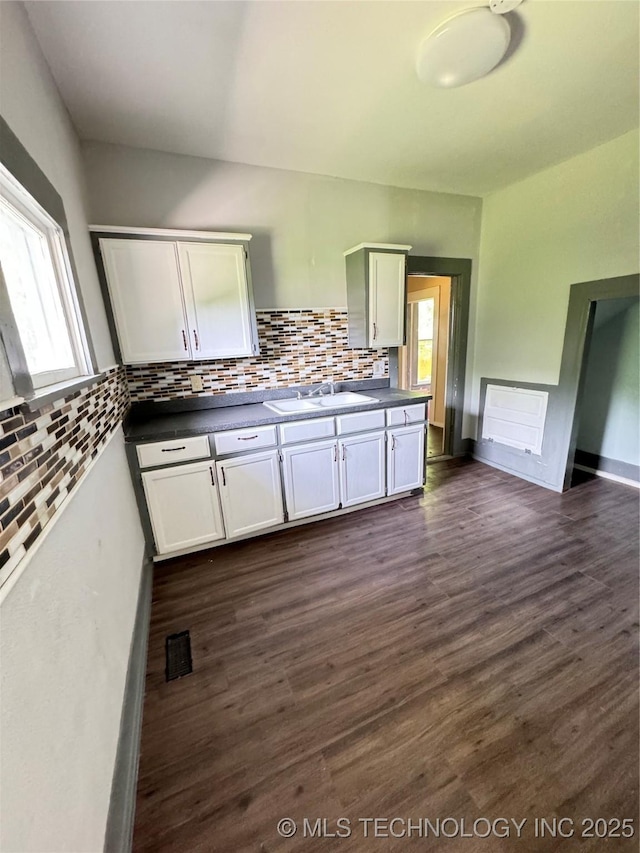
[(423, 361), (606, 421)]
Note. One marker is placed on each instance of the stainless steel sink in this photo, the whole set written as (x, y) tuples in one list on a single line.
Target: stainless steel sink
[(318, 404)]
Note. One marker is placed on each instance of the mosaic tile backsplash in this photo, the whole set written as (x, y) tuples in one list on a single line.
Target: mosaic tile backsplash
[(296, 348), (43, 454)]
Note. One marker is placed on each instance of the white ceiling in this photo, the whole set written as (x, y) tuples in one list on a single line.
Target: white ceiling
[(330, 87)]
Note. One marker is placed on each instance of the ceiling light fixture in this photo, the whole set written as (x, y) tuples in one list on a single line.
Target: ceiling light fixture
[(465, 47)]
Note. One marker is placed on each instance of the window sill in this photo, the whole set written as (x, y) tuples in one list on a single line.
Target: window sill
[(62, 389)]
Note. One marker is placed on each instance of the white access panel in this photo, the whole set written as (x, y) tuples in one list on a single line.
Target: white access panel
[(515, 417)]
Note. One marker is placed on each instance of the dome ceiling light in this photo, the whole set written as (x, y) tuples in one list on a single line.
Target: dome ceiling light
[(467, 46)]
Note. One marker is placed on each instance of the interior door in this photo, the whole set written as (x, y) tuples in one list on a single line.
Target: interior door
[(362, 468), (251, 492), (217, 299), (387, 276), (183, 506), (146, 295), (311, 478)]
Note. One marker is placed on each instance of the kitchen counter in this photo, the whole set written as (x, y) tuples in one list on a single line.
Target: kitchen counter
[(145, 424)]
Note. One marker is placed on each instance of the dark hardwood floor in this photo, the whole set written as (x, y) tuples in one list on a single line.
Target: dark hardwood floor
[(470, 653)]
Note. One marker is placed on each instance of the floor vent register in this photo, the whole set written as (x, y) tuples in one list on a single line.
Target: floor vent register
[(178, 649)]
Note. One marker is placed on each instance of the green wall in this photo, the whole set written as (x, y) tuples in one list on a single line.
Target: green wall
[(610, 410), (577, 221)]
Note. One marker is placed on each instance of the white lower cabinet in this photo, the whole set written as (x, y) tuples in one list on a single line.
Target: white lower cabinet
[(362, 468), (183, 506), (311, 480), (405, 459), (250, 491)]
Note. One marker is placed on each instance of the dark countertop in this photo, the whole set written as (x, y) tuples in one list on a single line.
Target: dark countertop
[(144, 425)]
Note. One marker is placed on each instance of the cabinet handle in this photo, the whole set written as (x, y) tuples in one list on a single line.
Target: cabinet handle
[(335, 452), (224, 479), (406, 417), (393, 442), (246, 437), (213, 482), (171, 449), (195, 338), (375, 331), (184, 339), (343, 452)]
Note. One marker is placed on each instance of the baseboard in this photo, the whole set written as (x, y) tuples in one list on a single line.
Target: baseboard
[(605, 476), (613, 468), (120, 820)]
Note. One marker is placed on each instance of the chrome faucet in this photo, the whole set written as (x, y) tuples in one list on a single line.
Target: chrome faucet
[(331, 385)]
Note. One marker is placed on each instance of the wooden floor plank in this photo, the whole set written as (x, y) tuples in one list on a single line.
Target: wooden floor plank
[(470, 652)]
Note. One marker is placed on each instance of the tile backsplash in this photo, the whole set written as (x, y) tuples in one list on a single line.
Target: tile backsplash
[(297, 347), (43, 454)]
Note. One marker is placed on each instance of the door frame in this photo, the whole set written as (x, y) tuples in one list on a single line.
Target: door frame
[(459, 271), (575, 351)]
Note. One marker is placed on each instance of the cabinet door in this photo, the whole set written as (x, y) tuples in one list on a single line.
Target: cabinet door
[(144, 285), (217, 299), (251, 492), (183, 505), (405, 459), (362, 475), (387, 274), (311, 480)]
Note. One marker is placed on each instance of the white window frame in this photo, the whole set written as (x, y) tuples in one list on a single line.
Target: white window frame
[(30, 210)]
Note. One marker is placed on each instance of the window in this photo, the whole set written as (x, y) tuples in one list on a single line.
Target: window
[(420, 342), (40, 287)]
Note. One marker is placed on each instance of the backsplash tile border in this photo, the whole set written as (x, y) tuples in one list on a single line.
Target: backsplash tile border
[(43, 455), (297, 347)]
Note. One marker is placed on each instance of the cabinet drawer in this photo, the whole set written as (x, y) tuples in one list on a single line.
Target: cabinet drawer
[(176, 450), (306, 430), (252, 438), (360, 421), (403, 415)]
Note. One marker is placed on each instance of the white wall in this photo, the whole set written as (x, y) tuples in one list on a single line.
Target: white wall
[(66, 623), (65, 634), (302, 223), (575, 222)]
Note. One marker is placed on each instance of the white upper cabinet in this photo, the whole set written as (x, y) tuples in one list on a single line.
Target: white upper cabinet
[(177, 300), (143, 278), (376, 294), (217, 299), (387, 303)]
